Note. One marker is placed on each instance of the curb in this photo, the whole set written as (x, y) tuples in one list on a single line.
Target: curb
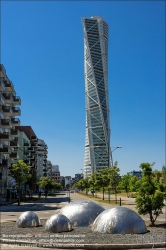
[(84, 246)]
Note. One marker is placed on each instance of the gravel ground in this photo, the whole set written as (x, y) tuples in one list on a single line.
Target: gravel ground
[(82, 235)]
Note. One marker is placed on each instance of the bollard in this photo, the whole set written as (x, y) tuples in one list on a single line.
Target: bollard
[(120, 201)]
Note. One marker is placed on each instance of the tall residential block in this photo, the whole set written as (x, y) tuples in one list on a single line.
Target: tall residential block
[(97, 142), (8, 133)]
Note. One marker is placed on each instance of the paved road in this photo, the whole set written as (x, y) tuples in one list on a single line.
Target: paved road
[(47, 207)]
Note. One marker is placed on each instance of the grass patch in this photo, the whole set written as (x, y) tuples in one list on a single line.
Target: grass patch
[(98, 199)]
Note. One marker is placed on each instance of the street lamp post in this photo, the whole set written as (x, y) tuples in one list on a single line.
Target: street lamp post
[(111, 153)]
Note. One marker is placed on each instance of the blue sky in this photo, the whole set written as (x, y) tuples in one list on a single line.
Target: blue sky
[(42, 51)]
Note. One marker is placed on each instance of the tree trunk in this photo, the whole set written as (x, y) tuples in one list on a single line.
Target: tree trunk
[(103, 193), (93, 190), (151, 219)]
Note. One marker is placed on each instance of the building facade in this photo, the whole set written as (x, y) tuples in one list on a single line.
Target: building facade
[(97, 142), (8, 134), (56, 173)]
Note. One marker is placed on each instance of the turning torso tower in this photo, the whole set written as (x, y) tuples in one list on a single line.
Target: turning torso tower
[(97, 142)]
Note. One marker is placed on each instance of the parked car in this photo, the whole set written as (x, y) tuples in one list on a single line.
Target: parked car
[(72, 191)]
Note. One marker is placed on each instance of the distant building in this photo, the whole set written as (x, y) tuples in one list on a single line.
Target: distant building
[(55, 175), (62, 179), (97, 139), (67, 181), (55, 168), (136, 173)]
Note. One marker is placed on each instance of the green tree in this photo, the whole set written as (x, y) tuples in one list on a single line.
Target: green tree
[(21, 172), (92, 182), (86, 183), (125, 183), (46, 183), (164, 174), (134, 184), (102, 179), (80, 185), (149, 199), (114, 178)]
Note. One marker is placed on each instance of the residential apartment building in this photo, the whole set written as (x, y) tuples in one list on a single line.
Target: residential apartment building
[(8, 122), (67, 182), (97, 141), (136, 173), (56, 174), (37, 153), (49, 169)]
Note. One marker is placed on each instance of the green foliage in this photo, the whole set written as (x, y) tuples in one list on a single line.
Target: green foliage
[(149, 199), (125, 183), (134, 184), (114, 178), (48, 184), (21, 172)]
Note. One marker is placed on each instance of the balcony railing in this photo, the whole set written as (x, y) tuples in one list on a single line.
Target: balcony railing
[(14, 133), (14, 143), (7, 110), (17, 100), (26, 144), (6, 123), (6, 162), (5, 150), (9, 85), (2, 100), (14, 155), (2, 114), (16, 111), (8, 97), (6, 136), (2, 85), (33, 138), (15, 121)]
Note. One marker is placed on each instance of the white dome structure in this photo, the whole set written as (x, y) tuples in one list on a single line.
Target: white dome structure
[(58, 223), (28, 219), (82, 212), (119, 220)]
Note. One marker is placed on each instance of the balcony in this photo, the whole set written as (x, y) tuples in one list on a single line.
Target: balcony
[(1, 129), (8, 97), (6, 123), (6, 136), (1, 144), (9, 85), (6, 162), (26, 144), (26, 152), (27, 161), (5, 150), (15, 133), (31, 149), (2, 100), (34, 138), (16, 100), (14, 143), (7, 110), (14, 155), (39, 145), (16, 111), (15, 121), (2, 114), (2, 85), (40, 150)]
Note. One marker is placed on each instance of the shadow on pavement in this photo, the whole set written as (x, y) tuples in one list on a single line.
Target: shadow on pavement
[(50, 203)]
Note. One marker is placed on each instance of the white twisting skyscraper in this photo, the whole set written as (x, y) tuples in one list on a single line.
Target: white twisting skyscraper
[(97, 144)]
